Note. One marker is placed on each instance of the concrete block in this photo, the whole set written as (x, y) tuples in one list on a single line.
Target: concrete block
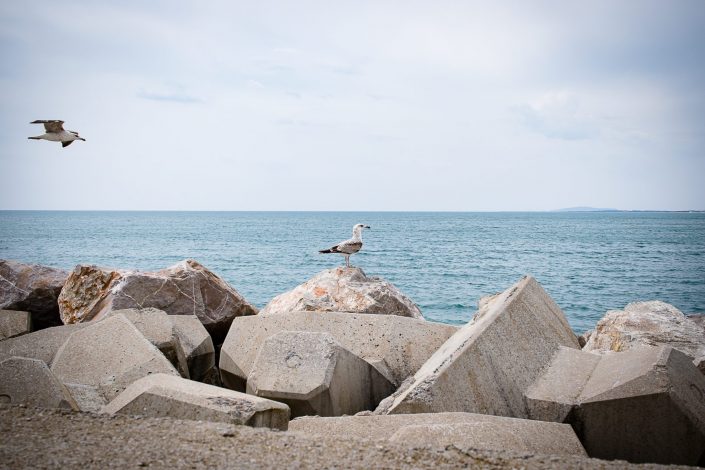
[(464, 430), (108, 355), (646, 404), (157, 327), (30, 382), (41, 345), (14, 323), (162, 395), (489, 363), (399, 345), (315, 375), (195, 348)]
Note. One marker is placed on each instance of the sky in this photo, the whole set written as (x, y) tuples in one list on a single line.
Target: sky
[(344, 106)]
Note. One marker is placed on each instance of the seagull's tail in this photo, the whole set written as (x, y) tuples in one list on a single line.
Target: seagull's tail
[(35, 138)]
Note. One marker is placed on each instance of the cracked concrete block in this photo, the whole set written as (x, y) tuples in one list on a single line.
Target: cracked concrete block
[(646, 404), (14, 323), (108, 355), (158, 328), (162, 395), (439, 430), (42, 344), (315, 375), (195, 348), (398, 346), (489, 363), (30, 382)]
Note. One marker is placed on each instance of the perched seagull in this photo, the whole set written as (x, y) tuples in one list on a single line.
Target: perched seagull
[(56, 133), (348, 247)]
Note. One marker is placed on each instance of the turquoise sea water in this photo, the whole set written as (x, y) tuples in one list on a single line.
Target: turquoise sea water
[(588, 262)]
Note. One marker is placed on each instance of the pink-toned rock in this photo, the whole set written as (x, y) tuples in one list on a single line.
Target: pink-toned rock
[(187, 288), (344, 290), (652, 323), (32, 288)]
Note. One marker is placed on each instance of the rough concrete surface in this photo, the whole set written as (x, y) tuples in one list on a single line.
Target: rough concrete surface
[(443, 429), (398, 346), (53, 439), (30, 382), (108, 355), (162, 395), (195, 348), (489, 363), (41, 345), (14, 323), (313, 374)]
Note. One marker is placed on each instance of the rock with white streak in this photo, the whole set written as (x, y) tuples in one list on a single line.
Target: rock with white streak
[(650, 323), (32, 288), (344, 290), (187, 288)]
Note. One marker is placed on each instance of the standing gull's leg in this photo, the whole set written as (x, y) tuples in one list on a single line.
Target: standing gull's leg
[(347, 261)]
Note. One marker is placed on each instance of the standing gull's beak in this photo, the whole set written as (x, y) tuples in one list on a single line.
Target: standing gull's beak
[(366, 226)]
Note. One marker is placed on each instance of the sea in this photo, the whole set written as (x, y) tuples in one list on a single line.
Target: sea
[(589, 262)]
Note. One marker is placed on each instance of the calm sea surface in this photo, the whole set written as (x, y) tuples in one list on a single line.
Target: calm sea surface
[(588, 262)]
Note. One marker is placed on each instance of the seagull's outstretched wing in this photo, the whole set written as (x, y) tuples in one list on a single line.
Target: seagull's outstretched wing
[(66, 143), (51, 125), (348, 247)]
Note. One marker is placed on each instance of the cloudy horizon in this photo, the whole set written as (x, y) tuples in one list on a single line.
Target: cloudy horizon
[(382, 106)]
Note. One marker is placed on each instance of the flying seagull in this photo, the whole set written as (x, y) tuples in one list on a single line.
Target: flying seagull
[(348, 247), (56, 133)]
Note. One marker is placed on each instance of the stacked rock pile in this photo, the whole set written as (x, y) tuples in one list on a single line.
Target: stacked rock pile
[(515, 378)]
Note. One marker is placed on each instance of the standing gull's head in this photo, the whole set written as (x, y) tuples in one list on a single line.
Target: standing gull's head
[(357, 230)]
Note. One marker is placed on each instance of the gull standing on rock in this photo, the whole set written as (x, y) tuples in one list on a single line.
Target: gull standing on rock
[(55, 132), (348, 247)]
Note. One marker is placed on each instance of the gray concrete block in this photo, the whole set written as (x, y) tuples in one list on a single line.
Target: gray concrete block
[(41, 345), (108, 355), (162, 395), (157, 327), (642, 405), (315, 375), (399, 345), (195, 347), (489, 363), (464, 430), (30, 382), (14, 323)]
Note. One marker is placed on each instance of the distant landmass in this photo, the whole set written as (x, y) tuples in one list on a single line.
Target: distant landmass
[(586, 209)]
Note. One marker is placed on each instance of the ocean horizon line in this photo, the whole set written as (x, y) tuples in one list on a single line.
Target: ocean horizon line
[(274, 211)]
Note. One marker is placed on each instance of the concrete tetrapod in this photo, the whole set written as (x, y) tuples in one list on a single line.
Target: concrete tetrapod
[(315, 375), (489, 363), (162, 395), (103, 358), (195, 348), (42, 344), (464, 430), (14, 323), (642, 405), (30, 382), (396, 346)]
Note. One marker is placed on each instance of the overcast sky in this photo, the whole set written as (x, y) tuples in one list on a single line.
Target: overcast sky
[(354, 105)]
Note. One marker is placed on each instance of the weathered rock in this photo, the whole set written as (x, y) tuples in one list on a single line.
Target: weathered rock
[(187, 288), (649, 323), (463, 430), (489, 363), (195, 349), (41, 345), (643, 405), (315, 375), (396, 346), (32, 288), (698, 318), (162, 395), (30, 382), (108, 356), (344, 290), (14, 323), (584, 338), (157, 327)]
